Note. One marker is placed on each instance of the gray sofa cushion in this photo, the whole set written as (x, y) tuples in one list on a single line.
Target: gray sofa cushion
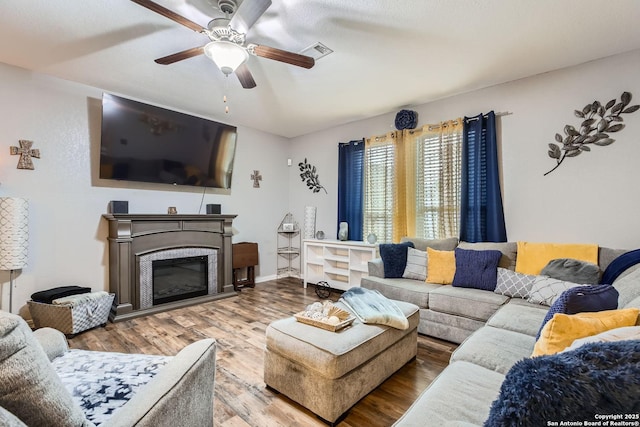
[(627, 285), (606, 255), (447, 326), (408, 290), (472, 303), (461, 393), (495, 349), (509, 251), (519, 315), (439, 244)]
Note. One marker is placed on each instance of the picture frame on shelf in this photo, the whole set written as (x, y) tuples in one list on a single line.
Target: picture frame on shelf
[(288, 226)]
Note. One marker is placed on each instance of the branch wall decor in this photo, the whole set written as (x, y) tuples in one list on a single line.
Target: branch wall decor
[(598, 122), (310, 176)]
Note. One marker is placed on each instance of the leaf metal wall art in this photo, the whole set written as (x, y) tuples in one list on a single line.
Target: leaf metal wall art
[(310, 176), (598, 122)]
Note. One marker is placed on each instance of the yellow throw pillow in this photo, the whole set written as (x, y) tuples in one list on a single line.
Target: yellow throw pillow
[(441, 266), (533, 257), (560, 332)]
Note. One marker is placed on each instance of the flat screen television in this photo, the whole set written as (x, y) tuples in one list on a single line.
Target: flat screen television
[(145, 143)]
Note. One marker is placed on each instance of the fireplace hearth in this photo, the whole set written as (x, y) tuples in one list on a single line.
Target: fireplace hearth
[(161, 262)]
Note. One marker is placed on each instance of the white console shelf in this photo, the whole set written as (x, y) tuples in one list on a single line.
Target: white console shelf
[(339, 263)]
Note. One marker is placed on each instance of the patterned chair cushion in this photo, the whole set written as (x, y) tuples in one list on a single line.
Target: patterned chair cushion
[(100, 383)]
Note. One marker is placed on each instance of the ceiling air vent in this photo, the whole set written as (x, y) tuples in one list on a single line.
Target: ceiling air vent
[(316, 51)]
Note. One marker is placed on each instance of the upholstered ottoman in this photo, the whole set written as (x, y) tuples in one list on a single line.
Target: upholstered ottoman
[(328, 372)]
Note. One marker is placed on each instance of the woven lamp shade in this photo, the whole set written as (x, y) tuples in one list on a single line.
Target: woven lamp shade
[(14, 233)]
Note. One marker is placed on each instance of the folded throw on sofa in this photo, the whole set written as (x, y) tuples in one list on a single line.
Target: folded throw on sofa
[(370, 306)]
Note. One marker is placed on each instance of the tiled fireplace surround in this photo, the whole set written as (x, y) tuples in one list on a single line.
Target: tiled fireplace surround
[(135, 239)]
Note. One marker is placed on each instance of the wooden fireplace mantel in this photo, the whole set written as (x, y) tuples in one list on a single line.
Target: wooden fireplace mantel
[(133, 235)]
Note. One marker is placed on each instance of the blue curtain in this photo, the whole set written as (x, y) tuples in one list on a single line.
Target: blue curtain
[(481, 214), (351, 186)]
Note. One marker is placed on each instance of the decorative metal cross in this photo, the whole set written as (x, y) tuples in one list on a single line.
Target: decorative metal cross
[(256, 177), (26, 153)]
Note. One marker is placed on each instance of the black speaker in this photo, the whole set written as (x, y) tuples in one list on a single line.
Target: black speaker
[(119, 206), (213, 209)]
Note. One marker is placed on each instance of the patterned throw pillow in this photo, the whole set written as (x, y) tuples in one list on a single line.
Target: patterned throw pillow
[(546, 290), (416, 265), (513, 284)]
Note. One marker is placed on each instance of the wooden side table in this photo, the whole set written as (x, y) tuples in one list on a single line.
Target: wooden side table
[(245, 255)]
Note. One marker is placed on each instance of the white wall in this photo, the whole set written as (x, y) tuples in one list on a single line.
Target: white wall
[(591, 198), (67, 235)]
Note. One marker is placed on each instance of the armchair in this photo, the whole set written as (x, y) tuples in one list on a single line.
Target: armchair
[(46, 383)]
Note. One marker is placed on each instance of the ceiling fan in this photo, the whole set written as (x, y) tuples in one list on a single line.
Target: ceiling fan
[(227, 47)]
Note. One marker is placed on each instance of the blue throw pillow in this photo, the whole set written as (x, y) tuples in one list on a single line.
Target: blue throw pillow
[(394, 258), (476, 269), (597, 378), (580, 299)]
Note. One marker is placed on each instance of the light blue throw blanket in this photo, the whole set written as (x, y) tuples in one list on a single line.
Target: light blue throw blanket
[(371, 306)]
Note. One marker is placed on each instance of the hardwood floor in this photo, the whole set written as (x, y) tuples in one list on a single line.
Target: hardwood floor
[(238, 324)]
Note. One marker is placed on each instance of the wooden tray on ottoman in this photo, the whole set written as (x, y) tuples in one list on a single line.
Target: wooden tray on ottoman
[(345, 317)]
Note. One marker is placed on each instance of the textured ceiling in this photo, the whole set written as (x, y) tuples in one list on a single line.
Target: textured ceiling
[(388, 54)]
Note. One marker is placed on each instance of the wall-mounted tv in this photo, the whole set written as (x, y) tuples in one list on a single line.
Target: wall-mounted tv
[(145, 143)]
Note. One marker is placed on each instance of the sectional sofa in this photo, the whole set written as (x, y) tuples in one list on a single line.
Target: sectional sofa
[(498, 333)]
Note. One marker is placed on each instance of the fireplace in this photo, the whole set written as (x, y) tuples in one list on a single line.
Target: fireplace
[(179, 278), (160, 262), (177, 274)]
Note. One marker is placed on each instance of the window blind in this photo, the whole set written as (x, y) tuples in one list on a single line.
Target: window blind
[(379, 184), (438, 167)]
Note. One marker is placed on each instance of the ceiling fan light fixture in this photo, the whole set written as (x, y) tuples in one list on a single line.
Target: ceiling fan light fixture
[(227, 55)]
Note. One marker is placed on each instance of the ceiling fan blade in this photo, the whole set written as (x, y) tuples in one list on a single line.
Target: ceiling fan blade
[(185, 54), (155, 7), (247, 14), (245, 77), (284, 56)]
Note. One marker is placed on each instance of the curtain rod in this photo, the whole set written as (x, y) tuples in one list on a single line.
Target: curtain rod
[(498, 114)]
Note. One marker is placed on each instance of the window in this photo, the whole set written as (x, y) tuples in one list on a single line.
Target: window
[(428, 186), (438, 183), (379, 183)]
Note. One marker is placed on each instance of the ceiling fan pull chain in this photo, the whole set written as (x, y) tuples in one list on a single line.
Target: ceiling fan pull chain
[(224, 97)]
